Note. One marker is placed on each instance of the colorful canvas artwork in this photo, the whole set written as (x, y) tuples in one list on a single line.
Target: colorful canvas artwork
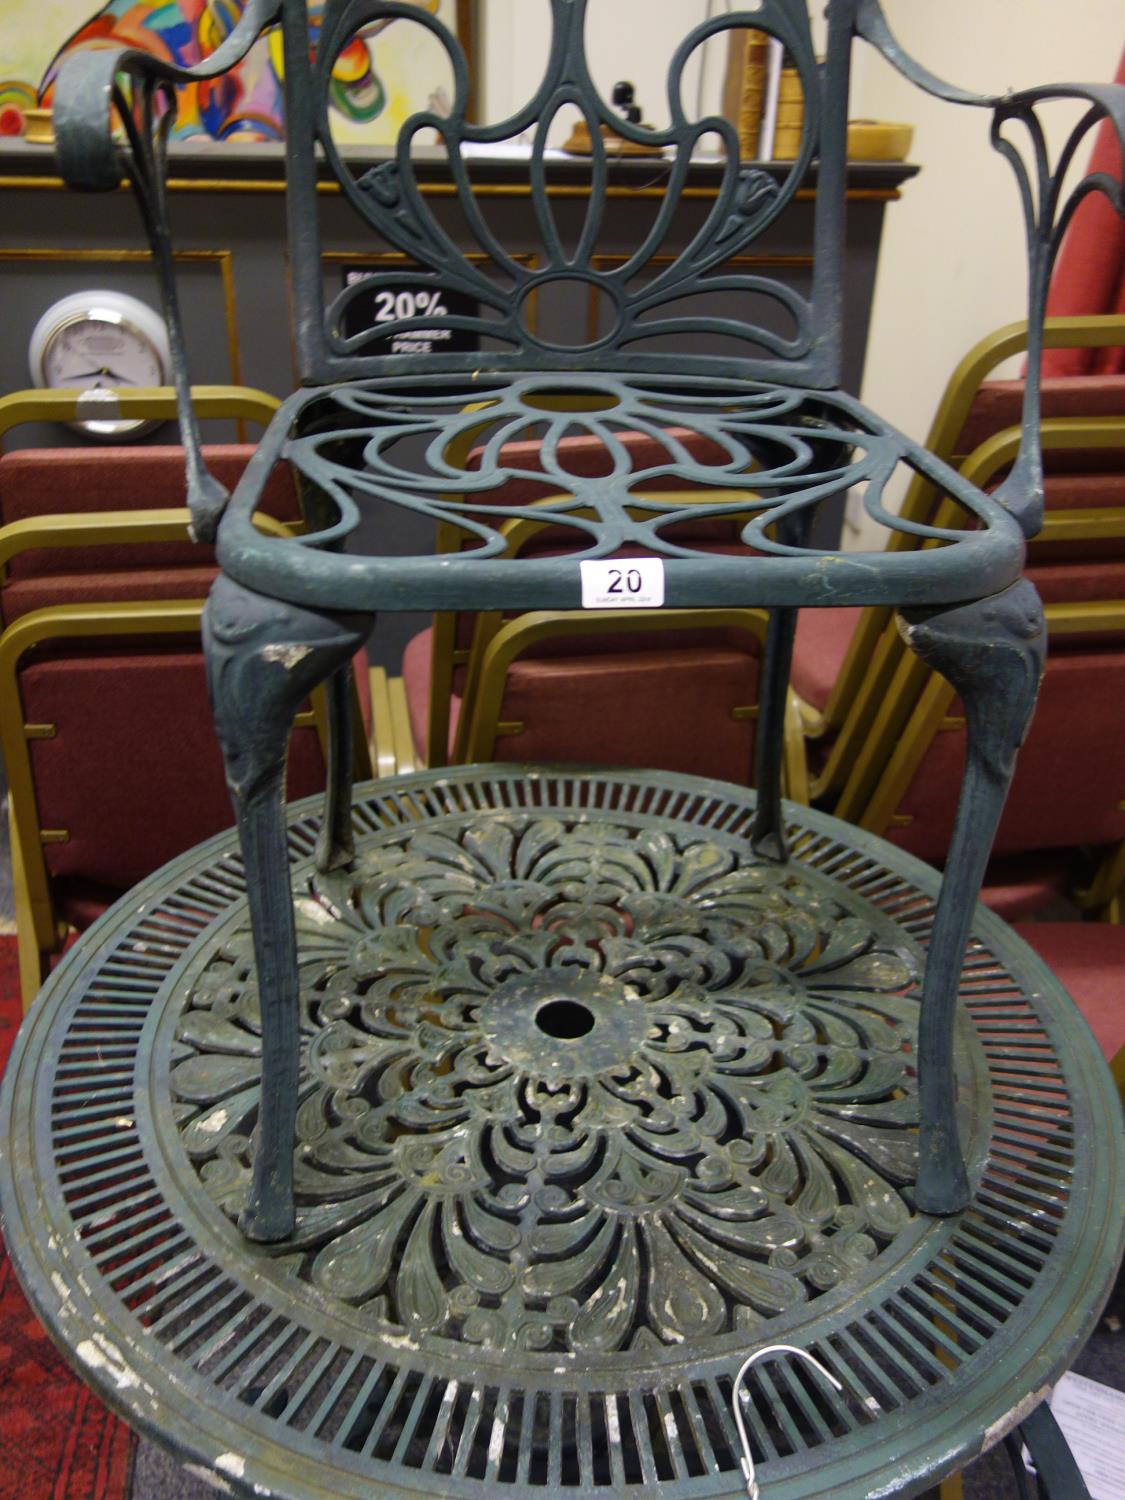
[(381, 77)]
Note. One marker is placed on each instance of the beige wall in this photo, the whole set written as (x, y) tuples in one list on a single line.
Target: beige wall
[(632, 39), (628, 39)]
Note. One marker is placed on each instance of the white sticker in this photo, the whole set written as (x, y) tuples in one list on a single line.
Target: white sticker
[(96, 404), (623, 583)]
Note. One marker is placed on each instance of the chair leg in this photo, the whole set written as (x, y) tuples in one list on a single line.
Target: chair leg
[(335, 845), (33, 961), (263, 658), (36, 923), (992, 652), (1059, 1476), (768, 835)]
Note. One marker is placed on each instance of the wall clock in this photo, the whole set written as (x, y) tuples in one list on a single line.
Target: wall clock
[(99, 340)]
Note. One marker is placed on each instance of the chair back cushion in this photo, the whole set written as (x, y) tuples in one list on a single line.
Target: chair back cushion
[(83, 481), (132, 773)]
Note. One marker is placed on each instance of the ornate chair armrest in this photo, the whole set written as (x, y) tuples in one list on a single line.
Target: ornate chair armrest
[(94, 83), (1107, 98), (1048, 206)]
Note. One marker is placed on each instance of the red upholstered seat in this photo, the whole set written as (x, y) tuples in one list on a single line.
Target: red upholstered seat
[(1079, 582), (24, 594), (663, 700), (129, 773), (1069, 777), (133, 772), (998, 404), (416, 680), (671, 708), (1088, 959), (823, 637), (85, 481)]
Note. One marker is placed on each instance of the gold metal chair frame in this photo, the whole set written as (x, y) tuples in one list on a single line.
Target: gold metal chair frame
[(872, 658), (900, 704), (39, 932)]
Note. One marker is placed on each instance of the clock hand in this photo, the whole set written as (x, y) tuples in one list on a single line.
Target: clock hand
[(97, 375)]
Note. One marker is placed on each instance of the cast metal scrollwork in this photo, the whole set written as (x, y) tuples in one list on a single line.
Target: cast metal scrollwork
[(573, 1086), (748, 199)]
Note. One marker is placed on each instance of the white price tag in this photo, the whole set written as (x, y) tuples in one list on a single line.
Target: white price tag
[(623, 583)]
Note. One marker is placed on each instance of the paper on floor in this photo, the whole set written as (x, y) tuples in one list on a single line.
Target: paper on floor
[(1092, 1417)]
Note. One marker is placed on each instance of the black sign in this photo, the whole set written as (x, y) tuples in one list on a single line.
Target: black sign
[(385, 303)]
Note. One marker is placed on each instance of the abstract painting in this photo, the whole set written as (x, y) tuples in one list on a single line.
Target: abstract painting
[(385, 73)]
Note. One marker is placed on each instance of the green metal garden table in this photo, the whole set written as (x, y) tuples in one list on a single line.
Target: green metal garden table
[(593, 1100)]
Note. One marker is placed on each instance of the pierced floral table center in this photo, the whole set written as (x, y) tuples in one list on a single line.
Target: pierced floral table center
[(592, 1102), (570, 1083)]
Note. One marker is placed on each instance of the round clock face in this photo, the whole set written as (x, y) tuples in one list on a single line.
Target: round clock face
[(100, 341)]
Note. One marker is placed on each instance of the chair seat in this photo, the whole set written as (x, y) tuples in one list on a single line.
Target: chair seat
[(770, 452), (818, 652), (1088, 959)]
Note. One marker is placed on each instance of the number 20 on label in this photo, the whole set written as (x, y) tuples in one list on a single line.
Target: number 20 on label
[(623, 583)]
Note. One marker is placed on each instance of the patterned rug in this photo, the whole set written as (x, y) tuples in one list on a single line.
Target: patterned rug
[(59, 1442)]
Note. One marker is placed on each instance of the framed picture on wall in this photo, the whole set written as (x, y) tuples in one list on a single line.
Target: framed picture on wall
[(388, 70)]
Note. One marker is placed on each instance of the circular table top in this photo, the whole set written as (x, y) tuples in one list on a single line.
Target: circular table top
[(594, 1102)]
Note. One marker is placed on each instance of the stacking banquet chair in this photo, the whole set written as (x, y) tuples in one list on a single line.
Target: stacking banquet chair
[(904, 729), (546, 686), (1062, 831), (104, 721), (843, 673), (897, 761), (509, 1234)]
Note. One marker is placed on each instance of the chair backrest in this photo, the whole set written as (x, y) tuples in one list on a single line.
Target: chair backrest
[(674, 689), (786, 337)]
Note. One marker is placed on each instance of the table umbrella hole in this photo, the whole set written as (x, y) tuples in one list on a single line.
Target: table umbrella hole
[(566, 1020)]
